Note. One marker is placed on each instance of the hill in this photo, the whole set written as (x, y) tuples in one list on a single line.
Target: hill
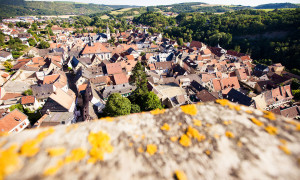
[(277, 6), (204, 141), (10, 8)]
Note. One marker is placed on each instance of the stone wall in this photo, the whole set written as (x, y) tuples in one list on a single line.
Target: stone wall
[(204, 141)]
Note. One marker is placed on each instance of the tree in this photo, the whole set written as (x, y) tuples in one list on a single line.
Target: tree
[(151, 101), (117, 105), (135, 108), (180, 41), (16, 106), (34, 26), (139, 78), (27, 92), (7, 66), (31, 42), (142, 54), (10, 25), (43, 45)]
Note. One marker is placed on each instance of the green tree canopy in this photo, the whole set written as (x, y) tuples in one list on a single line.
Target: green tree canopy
[(16, 106), (117, 105), (27, 92), (151, 101), (135, 108), (43, 45)]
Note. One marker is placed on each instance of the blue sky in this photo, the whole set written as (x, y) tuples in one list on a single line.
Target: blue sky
[(165, 2)]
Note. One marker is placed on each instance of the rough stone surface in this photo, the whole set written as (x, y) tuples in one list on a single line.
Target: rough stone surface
[(246, 151)]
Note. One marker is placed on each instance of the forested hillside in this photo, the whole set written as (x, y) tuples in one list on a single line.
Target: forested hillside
[(11, 8), (265, 35)]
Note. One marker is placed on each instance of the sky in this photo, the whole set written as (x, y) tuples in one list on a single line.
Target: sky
[(166, 2)]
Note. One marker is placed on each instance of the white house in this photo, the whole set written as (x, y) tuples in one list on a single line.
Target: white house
[(14, 122), (5, 56)]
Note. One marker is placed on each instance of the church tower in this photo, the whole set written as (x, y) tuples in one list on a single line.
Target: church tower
[(107, 32)]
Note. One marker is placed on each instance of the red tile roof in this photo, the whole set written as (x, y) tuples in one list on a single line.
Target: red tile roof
[(120, 78), (11, 96), (230, 82), (207, 77), (27, 100), (82, 87), (95, 49), (130, 57), (5, 75), (11, 120), (114, 68), (216, 84), (50, 79)]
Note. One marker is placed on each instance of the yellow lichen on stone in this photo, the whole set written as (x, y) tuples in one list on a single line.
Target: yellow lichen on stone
[(194, 133), (207, 152), (229, 134), (208, 125), (298, 127), (179, 124), (76, 155), (100, 145), (269, 115), (197, 122), (4, 133), (239, 144), (190, 109), (283, 141), (223, 102), (271, 130), (140, 149), (108, 119), (165, 127), (9, 161), (52, 170), (57, 151), (42, 135), (285, 149), (227, 122), (237, 107), (173, 138), (130, 144), (30, 148), (151, 149), (157, 111), (185, 140), (71, 127), (256, 121), (249, 111), (216, 136), (180, 175)]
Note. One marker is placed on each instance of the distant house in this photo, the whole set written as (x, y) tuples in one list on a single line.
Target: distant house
[(42, 92), (96, 49), (124, 89), (261, 68), (55, 118), (238, 97), (205, 96), (5, 56), (59, 101), (92, 103), (291, 112), (14, 122), (29, 102)]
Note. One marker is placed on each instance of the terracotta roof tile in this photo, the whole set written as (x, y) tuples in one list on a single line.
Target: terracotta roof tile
[(11, 120), (114, 68), (120, 78), (82, 87), (95, 49), (50, 79), (27, 100), (11, 96)]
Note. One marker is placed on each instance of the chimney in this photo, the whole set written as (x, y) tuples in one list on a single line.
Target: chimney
[(48, 112)]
